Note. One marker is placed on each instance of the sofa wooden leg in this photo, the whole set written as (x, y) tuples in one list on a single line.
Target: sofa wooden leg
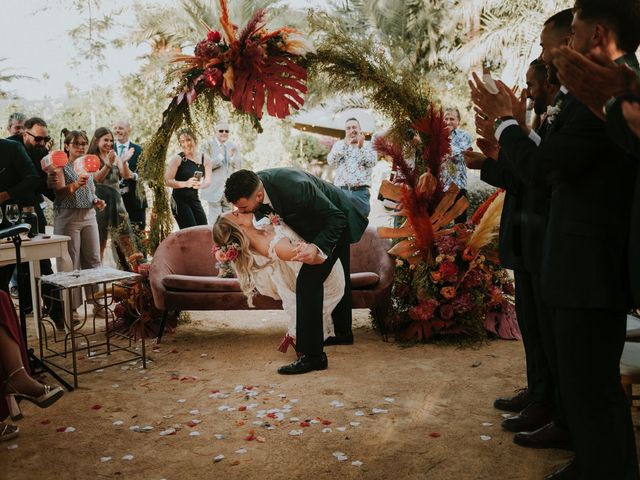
[(163, 324), (378, 314)]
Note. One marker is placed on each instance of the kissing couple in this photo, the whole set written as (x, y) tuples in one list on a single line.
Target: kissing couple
[(298, 251)]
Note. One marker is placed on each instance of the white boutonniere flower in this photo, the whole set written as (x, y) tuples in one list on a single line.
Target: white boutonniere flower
[(553, 111)]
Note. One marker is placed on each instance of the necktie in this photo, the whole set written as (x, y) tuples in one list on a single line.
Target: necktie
[(121, 148)]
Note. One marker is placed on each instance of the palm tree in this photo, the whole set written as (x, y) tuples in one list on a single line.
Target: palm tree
[(7, 77)]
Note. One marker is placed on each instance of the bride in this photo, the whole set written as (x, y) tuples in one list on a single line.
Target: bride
[(264, 265)]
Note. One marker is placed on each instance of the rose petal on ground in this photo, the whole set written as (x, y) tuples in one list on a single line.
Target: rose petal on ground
[(359, 413), (487, 424), (12, 446), (326, 422), (203, 354), (194, 434), (389, 399), (194, 412), (135, 428), (434, 434), (326, 430), (260, 439), (296, 433), (175, 350), (507, 415), (127, 457), (241, 451), (218, 458), (219, 436), (379, 410), (46, 421), (168, 431), (96, 407), (146, 428), (239, 423), (69, 430), (485, 438), (61, 429), (115, 385), (354, 424), (341, 429), (105, 459), (356, 463), (182, 400), (305, 424), (118, 423), (315, 421), (294, 419)]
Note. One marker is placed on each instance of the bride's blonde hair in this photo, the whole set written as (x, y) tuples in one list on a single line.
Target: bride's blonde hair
[(226, 232)]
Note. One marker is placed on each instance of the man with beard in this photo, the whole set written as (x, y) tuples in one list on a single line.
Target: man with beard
[(34, 138), (522, 228)]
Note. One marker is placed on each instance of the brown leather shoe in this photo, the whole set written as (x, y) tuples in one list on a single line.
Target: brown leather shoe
[(514, 404), (534, 416), (549, 436), (568, 472)]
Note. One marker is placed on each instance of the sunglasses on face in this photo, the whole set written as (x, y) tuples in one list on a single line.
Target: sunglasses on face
[(223, 131), (39, 139)]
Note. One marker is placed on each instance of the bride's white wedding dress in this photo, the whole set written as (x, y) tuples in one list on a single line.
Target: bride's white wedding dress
[(278, 280)]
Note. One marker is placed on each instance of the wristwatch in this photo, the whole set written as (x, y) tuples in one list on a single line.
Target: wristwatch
[(499, 121)]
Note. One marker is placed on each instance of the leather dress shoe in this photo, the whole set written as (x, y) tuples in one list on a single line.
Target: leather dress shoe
[(534, 416), (514, 404), (340, 340), (549, 436), (568, 472), (305, 363)]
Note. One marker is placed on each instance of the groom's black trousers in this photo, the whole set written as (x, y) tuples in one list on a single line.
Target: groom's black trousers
[(310, 299)]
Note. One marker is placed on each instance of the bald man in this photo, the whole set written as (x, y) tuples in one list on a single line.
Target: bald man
[(225, 159), (134, 202)]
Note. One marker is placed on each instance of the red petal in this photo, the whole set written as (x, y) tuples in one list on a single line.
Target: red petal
[(326, 422), (175, 350), (45, 422), (96, 407), (434, 434), (61, 429), (242, 408), (305, 424)]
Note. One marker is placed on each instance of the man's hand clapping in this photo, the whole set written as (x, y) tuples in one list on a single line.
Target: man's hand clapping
[(492, 105)]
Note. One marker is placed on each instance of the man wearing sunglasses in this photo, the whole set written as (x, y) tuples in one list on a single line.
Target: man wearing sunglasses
[(225, 159), (35, 139)]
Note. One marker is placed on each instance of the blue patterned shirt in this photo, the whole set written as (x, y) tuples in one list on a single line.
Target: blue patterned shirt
[(353, 164), (454, 170)]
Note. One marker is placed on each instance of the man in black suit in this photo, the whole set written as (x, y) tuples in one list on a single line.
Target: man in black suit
[(522, 228), (324, 216), (584, 270), (134, 202)]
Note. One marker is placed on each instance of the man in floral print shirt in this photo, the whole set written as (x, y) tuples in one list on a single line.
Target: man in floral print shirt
[(454, 169), (354, 160)]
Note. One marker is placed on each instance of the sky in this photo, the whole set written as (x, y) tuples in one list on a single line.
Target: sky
[(36, 44)]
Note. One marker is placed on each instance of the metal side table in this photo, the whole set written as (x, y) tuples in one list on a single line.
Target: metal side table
[(117, 347)]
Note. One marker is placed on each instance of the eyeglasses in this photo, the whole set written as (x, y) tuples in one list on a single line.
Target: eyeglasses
[(223, 131), (83, 144), (39, 139)]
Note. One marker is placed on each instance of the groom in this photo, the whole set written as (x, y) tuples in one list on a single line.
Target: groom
[(327, 220)]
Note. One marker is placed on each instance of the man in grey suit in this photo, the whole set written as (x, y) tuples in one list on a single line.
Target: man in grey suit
[(225, 159)]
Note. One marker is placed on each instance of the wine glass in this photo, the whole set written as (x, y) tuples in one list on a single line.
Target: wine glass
[(13, 213)]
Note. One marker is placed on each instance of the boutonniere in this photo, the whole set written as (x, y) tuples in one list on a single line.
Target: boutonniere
[(553, 111)]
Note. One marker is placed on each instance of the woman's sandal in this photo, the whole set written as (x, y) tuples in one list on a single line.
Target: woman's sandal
[(7, 431), (48, 397)]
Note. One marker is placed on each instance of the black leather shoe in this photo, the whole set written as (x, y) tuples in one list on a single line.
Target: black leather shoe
[(568, 472), (339, 340), (304, 364), (514, 404), (534, 416), (549, 436)]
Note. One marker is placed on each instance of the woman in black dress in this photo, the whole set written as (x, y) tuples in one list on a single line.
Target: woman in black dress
[(188, 172)]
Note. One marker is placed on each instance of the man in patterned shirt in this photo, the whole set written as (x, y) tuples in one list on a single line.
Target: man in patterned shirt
[(454, 169), (354, 160)]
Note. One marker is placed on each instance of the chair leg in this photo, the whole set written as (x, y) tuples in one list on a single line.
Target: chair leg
[(163, 324)]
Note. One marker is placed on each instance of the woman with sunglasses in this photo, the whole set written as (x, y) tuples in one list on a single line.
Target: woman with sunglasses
[(188, 172), (108, 188), (74, 213)]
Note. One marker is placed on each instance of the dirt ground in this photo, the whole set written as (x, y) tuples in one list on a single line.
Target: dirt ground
[(423, 412)]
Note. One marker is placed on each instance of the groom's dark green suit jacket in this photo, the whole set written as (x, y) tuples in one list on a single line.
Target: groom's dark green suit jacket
[(316, 210)]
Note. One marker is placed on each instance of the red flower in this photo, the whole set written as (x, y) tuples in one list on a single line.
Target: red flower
[(214, 36), (448, 269), (448, 292), (232, 253), (446, 311), (212, 76), (424, 311)]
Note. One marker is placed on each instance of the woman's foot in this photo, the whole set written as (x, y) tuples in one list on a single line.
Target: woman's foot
[(22, 382), (8, 431)]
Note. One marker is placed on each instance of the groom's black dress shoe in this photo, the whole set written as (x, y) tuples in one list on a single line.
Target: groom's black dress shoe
[(568, 472), (304, 364), (339, 340), (549, 436), (534, 416)]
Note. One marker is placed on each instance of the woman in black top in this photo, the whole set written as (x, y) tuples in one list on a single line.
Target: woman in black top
[(188, 172)]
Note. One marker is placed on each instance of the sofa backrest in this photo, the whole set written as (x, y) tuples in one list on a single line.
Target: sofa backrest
[(188, 252), (370, 252)]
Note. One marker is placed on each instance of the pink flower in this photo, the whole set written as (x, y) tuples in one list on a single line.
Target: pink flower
[(232, 253), (221, 256)]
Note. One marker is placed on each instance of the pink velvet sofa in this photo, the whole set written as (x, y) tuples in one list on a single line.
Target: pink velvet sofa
[(183, 276)]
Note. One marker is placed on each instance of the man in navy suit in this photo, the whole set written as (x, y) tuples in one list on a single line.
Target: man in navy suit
[(134, 202)]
